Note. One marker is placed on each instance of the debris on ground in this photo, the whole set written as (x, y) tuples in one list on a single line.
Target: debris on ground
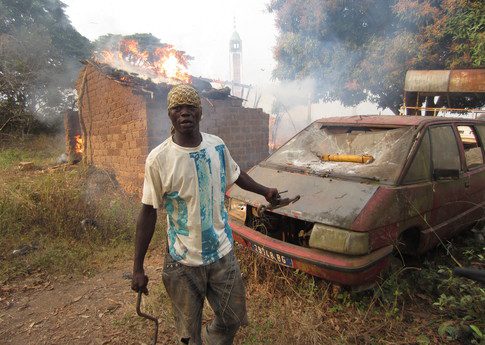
[(24, 250), (62, 159), (25, 166), (89, 223)]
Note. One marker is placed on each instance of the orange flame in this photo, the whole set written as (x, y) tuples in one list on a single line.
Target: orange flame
[(162, 64), (79, 148)]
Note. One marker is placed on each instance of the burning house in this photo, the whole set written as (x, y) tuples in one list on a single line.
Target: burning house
[(123, 116)]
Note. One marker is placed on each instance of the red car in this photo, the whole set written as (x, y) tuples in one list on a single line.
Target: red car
[(368, 185)]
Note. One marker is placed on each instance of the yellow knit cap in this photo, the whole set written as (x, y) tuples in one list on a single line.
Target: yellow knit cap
[(183, 94)]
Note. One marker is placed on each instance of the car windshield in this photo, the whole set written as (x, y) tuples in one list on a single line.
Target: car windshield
[(347, 151)]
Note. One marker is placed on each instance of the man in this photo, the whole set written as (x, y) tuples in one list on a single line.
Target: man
[(187, 175)]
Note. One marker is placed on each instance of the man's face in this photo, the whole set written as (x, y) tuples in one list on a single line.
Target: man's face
[(185, 118)]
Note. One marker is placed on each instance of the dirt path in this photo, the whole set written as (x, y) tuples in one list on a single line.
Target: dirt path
[(96, 310)]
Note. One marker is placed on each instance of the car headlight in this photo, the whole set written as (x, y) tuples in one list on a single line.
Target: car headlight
[(237, 209), (339, 240)]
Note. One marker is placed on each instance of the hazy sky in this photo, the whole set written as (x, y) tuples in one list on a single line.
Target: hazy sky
[(201, 28)]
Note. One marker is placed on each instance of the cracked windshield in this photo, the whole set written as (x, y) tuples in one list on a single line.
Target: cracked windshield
[(363, 152)]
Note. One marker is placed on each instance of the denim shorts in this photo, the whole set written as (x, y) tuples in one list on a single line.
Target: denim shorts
[(221, 283)]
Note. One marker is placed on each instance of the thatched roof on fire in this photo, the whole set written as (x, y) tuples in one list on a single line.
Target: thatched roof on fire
[(154, 90)]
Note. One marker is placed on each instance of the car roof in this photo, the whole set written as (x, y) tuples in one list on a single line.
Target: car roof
[(393, 120)]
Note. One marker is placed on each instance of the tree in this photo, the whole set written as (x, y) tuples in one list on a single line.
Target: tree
[(39, 61), (361, 50)]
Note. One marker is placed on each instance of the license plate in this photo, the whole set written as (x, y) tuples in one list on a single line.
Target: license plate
[(278, 258)]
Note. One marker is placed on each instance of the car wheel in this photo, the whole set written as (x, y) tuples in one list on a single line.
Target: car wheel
[(409, 241)]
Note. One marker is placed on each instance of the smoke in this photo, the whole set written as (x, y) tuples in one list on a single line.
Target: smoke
[(287, 104), (57, 94), (39, 63), (60, 85), (292, 107), (355, 51), (321, 52), (30, 78)]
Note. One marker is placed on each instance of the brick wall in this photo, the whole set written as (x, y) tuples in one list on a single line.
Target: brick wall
[(122, 127), (115, 128), (244, 130)]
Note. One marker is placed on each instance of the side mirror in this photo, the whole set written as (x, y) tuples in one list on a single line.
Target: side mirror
[(441, 174)]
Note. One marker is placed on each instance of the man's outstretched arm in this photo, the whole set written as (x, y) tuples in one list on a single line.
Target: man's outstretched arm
[(245, 181), (145, 227)]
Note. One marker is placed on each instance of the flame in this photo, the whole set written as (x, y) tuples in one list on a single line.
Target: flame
[(162, 64), (79, 147)]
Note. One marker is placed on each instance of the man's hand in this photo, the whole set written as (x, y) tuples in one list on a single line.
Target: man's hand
[(246, 182), (272, 195), (139, 282)]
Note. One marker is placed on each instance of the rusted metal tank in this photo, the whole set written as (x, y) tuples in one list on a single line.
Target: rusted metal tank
[(438, 81), (450, 86)]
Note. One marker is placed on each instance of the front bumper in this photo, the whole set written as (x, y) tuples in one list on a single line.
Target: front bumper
[(343, 269)]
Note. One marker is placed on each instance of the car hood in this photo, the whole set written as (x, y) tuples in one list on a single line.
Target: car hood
[(324, 200)]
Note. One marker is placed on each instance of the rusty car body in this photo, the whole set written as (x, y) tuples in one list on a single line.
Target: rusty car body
[(422, 184)]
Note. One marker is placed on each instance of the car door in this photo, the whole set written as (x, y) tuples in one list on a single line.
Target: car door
[(472, 138), (449, 179), (416, 195)]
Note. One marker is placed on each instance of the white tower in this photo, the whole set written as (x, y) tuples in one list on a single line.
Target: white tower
[(235, 62)]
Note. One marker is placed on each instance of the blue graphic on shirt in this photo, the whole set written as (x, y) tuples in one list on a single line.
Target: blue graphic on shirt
[(210, 241), (224, 216), (173, 202)]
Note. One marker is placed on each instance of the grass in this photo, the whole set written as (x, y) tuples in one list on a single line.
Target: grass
[(292, 308), (40, 150), (72, 219), (43, 209)]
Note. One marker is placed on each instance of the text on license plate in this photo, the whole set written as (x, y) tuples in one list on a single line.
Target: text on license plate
[(278, 258)]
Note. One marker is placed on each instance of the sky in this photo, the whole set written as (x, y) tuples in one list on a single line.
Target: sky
[(200, 28)]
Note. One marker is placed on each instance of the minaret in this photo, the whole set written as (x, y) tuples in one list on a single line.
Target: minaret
[(235, 62)]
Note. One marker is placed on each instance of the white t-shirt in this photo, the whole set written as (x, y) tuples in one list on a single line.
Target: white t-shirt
[(190, 183)]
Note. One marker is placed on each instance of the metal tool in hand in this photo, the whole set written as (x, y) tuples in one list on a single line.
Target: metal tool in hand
[(146, 316), (277, 204)]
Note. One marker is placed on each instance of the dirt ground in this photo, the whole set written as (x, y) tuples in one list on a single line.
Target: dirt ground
[(95, 310), (101, 310)]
